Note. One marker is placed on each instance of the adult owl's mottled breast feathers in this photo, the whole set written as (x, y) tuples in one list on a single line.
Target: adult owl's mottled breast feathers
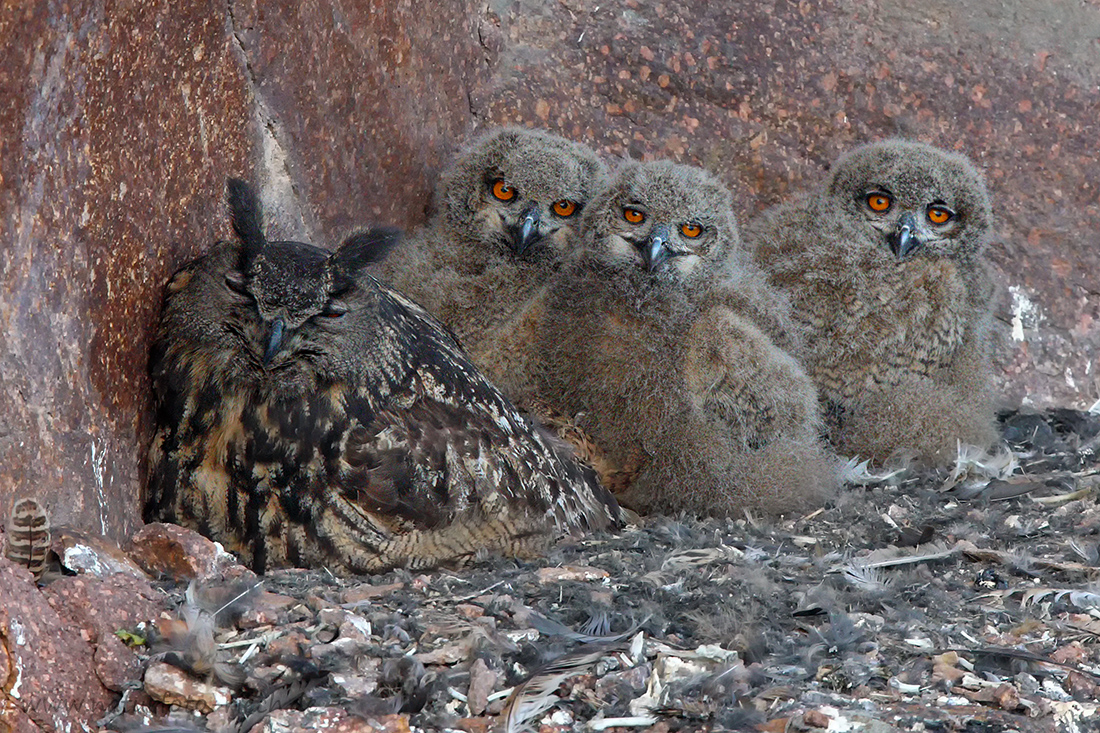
[(307, 415)]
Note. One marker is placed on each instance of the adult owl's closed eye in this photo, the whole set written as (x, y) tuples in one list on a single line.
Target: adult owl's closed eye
[(506, 215), (660, 342), (307, 415), (885, 267)]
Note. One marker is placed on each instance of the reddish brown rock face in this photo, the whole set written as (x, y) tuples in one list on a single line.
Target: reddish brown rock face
[(48, 673), (118, 135), (98, 607), (118, 131)]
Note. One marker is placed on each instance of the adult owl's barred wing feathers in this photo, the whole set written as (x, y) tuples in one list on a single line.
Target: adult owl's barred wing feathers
[(448, 441)]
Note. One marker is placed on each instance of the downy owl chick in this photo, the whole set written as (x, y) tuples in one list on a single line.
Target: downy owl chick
[(308, 416), (660, 342), (506, 215), (886, 270)]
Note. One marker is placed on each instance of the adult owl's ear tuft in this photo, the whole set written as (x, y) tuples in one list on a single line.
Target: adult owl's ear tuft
[(365, 248), (247, 219)]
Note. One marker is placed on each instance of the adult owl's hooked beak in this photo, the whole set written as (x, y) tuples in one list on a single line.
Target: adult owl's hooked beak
[(655, 251), (274, 340), (904, 240), (527, 232)]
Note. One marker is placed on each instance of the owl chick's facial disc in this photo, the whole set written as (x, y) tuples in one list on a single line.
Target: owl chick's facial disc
[(662, 217), (527, 189), (917, 199)]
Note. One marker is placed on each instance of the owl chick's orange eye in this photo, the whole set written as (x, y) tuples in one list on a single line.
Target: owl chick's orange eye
[(879, 202), (565, 207), (634, 216), (691, 230), (939, 214), (503, 191)]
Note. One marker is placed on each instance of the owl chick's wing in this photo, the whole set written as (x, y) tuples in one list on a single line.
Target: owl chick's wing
[(742, 286)]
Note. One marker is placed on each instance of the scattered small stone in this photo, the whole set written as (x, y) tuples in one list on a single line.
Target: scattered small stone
[(447, 654), (89, 554), (359, 685), (482, 682), (268, 609), (336, 654), (575, 572), (331, 616), (366, 592), (356, 627), (167, 550), (474, 725), (173, 686), (469, 611), (330, 720), (222, 718)]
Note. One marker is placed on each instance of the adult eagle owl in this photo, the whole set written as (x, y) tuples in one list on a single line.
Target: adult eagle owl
[(307, 415)]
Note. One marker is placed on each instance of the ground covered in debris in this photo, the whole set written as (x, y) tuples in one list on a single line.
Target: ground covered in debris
[(956, 599)]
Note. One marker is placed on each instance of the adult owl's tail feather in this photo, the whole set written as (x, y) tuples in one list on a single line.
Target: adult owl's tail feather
[(587, 504)]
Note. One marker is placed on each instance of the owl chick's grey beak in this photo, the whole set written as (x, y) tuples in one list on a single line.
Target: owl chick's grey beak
[(904, 240), (527, 232), (655, 251), (274, 340)]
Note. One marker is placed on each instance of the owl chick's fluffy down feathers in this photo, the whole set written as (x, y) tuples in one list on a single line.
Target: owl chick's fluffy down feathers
[(307, 415), (886, 271), (664, 344)]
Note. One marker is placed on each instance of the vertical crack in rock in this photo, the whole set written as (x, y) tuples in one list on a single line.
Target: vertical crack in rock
[(470, 104), (282, 202)]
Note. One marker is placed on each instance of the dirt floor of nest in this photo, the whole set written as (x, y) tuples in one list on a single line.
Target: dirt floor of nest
[(961, 599)]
